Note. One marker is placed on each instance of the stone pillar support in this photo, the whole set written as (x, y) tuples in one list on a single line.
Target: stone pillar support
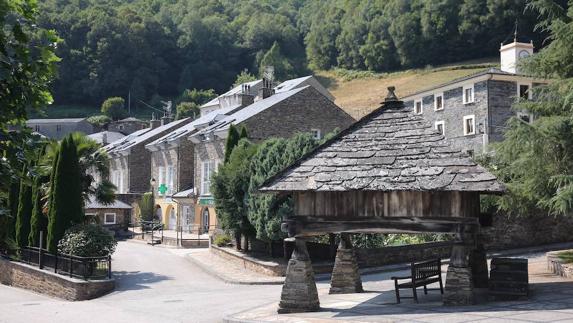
[(459, 279), (345, 276), (299, 292)]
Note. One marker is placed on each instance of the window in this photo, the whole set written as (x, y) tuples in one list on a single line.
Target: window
[(468, 94), (469, 125), (91, 217), (439, 125), (523, 91), (418, 107), (526, 117), (58, 128), (109, 218), (315, 133), (170, 179), (37, 128), (439, 101), (207, 170)]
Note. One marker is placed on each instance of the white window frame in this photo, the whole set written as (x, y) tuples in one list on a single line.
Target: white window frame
[(473, 118), (529, 92), (467, 100), (421, 106), (207, 169), (438, 95), (316, 133), (105, 218), (443, 124)]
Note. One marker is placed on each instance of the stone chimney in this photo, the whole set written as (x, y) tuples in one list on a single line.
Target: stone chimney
[(166, 119), (154, 123), (266, 90), (104, 138)]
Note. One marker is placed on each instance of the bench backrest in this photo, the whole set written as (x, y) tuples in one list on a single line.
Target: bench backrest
[(425, 269)]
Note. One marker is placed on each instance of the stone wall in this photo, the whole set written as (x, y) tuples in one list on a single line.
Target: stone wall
[(44, 282), (403, 254), (509, 232)]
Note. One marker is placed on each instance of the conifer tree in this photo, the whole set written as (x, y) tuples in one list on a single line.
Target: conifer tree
[(232, 141), (13, 199), (24, 212), (244, 134), (66, 204)]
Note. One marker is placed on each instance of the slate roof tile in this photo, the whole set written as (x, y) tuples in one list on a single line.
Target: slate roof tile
[(392, 149)]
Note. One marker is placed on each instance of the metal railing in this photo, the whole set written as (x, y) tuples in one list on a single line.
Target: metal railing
[(74, 266), (200, 229), (151, 227)]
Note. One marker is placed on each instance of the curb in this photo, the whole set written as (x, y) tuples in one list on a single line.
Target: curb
[(226, 278)]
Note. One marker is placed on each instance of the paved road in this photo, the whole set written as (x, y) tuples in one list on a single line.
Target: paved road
[(153, 285)]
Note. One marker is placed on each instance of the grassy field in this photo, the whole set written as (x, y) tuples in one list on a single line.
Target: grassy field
[(358, 92)]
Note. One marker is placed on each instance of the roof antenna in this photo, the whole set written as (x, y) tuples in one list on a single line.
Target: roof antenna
[(515, 33)]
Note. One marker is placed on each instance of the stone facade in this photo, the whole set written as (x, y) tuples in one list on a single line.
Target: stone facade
[(181, 158), (59, 128), (122, 218), (127, 126), (44, 282), (345, 276), (492, 108), (403, 254)]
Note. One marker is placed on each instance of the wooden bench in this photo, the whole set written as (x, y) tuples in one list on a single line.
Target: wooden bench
[(423, 274)]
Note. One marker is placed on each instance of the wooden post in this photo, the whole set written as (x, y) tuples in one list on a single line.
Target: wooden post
[(109, 266), (40, 263), (299, 292), (345, 276)]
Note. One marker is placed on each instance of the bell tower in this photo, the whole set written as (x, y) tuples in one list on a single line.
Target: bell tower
[(511, 53)]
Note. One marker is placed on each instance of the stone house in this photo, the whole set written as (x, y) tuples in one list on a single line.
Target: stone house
[(472, 111), (115, 216), (282, 114), (59, 128), (130, 162), (172, 168), (127, 126), (106, 137)]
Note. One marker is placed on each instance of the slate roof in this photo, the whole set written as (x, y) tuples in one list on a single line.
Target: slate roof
[(111, 136), (92, 203), (235, 90), (192, 126), (489, 71), (391, 149), (59, 121), (290, 84), (131, 140), (251, 110)]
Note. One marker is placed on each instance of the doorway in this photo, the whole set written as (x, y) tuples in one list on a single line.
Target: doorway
[(205, 220)]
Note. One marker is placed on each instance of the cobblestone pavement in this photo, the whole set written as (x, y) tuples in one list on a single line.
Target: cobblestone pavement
[(551, 300)]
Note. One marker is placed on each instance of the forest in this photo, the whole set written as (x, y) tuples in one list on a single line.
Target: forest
[(156, 49)]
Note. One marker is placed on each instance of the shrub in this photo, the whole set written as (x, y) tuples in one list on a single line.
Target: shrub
[(114, 108), (87, 240), (99, 120), (222, 240)]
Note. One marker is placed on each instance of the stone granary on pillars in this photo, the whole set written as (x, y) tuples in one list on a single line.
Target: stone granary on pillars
[(391, 172)]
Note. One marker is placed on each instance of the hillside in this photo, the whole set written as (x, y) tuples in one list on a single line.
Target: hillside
[(358, 93)]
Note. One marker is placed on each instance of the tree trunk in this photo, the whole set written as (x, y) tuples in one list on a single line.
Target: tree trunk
[(238, 240), (246, 243)]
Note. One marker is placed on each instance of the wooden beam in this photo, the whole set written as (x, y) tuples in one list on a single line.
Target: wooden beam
[(300, 226)]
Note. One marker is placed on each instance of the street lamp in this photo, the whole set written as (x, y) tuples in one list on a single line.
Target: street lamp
[(152, 182)]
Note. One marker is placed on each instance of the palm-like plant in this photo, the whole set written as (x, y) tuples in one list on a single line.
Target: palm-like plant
[(93, 162)]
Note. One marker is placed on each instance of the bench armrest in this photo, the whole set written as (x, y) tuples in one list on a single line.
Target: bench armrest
[(400, 277)]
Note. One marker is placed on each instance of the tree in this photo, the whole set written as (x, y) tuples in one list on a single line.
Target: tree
[(27, 67), (24, 211), (266, 211), (244, 133), (114, 108), (39, 220), (534, 159), (147, 207), (283, 69), (244, 77), (66, 200), (230, 186), (232, 141), (186, 110)]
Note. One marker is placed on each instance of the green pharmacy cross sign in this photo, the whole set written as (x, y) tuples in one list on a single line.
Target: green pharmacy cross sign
[(162, 189)]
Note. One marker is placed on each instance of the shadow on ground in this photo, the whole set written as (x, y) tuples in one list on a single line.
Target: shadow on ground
[(135, 280), (550, 296)]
